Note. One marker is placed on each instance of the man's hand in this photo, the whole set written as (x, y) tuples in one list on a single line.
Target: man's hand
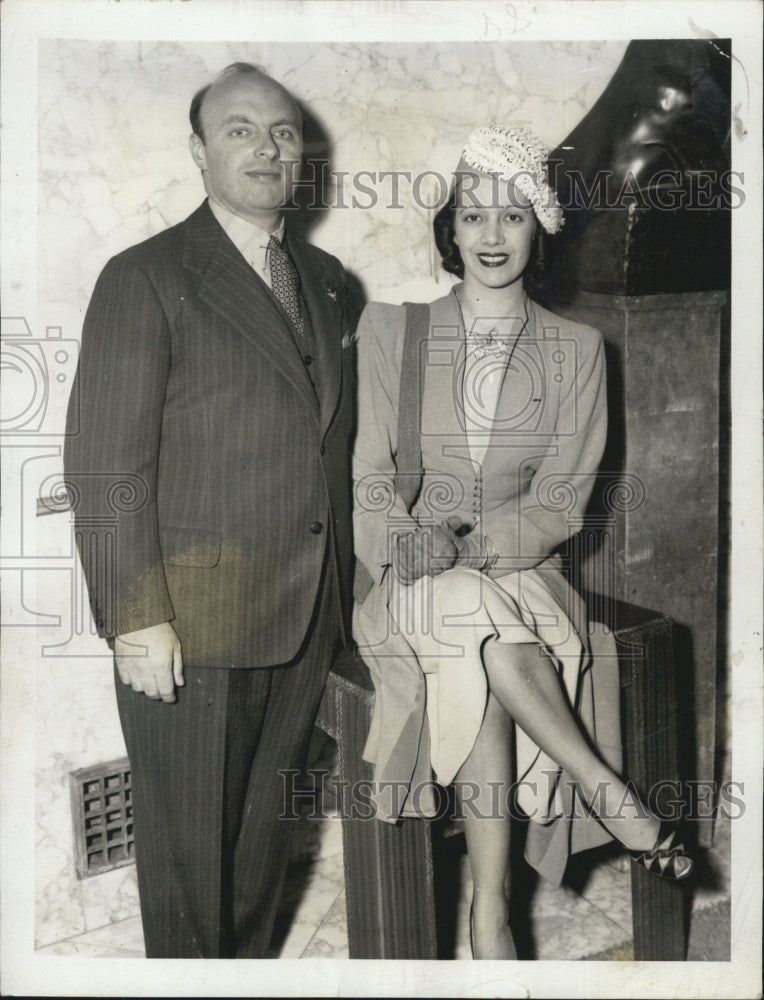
[(427, 551), (149, 660)]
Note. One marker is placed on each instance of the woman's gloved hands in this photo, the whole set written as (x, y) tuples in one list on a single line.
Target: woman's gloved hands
[(433, 549), (472, 546), (427, 551)]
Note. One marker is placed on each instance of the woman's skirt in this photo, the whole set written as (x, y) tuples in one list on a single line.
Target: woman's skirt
[(423, 645)]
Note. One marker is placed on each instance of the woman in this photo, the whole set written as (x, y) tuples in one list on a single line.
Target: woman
[(473, 637)]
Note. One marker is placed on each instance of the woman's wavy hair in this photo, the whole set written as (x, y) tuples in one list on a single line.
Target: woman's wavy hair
[(535, 280)]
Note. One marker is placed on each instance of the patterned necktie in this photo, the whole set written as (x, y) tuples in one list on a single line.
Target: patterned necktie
[(285, 282)]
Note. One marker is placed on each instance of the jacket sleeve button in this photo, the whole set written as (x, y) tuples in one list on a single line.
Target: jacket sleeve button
[(316, 527)]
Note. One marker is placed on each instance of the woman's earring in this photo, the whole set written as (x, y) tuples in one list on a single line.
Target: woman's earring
[(538, 257)]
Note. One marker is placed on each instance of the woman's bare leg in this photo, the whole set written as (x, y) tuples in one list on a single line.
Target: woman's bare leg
[(487, 831), (525, 682)]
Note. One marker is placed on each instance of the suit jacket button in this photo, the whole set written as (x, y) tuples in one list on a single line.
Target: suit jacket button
[(316, 527), (308, 359), (323, 450)]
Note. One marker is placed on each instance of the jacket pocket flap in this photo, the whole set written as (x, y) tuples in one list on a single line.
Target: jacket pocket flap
[(190, 547)]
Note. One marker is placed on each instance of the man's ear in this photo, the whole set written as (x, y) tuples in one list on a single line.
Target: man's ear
[(198, 154)]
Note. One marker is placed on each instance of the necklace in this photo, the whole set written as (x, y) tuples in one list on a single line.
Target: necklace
[(492, 342)]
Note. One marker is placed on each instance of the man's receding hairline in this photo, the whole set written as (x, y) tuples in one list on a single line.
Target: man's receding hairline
[(231, 74)]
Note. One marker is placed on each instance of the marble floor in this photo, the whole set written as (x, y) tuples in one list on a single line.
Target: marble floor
[(588, 918)]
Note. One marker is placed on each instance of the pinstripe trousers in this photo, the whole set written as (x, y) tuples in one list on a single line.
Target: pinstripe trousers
[(211, 852)]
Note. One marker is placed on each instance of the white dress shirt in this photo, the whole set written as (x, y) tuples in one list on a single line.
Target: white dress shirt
[(250, 240)]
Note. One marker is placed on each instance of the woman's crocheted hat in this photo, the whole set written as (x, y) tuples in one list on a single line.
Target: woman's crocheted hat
[(515, 153)]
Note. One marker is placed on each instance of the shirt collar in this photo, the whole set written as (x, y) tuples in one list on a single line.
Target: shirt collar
[(250, 240)]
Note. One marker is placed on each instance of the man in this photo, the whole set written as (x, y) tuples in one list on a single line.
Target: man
[(216, 395)]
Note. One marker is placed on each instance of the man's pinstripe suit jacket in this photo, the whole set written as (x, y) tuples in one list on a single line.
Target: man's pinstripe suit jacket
[(207, 473)]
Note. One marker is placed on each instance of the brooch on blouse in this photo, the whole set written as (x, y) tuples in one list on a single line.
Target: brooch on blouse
[(479, 344)]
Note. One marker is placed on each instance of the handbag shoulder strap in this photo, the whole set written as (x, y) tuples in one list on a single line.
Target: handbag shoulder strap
[(408, 459)]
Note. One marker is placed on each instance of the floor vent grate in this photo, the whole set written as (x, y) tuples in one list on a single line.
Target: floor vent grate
[(102, 811)]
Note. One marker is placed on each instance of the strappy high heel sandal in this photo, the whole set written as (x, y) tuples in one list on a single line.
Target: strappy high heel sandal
[(668, 858)]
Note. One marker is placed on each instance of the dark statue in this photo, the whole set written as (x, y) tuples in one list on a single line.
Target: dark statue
[(645, 177)]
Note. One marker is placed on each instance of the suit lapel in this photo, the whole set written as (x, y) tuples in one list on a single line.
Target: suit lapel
[(229, 286), (442, 409), (526, 393), (444, 368), (326, 320)]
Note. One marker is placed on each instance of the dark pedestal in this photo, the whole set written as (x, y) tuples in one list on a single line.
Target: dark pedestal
[(661, 548), (389, 888)]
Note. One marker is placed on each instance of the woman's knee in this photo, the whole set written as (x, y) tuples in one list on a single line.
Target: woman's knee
[(457, 592), (522, 659)]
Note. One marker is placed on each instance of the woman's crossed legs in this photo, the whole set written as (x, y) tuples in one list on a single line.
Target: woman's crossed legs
[(524, 686)]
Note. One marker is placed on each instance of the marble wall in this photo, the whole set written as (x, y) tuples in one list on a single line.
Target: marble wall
[(113, 169), (114, 166)]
